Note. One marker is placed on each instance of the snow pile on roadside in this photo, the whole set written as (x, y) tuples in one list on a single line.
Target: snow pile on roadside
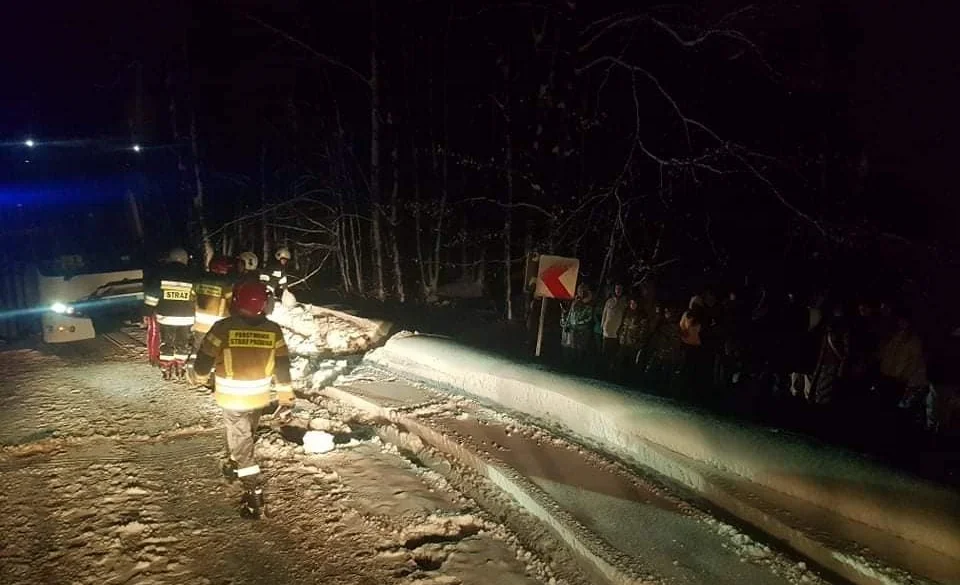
[(311, 330), (686, 445)]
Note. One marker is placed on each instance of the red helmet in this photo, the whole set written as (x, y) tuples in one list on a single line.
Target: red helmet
[(221, 265), (250, 298)]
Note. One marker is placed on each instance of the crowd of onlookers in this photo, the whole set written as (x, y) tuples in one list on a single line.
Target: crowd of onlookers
[(747, 349)]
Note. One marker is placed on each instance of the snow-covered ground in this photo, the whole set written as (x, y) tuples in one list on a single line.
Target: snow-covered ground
[(111, 476)]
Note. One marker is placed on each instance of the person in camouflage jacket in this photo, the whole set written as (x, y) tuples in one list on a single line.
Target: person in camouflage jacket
[(635, 332), (577, 327)]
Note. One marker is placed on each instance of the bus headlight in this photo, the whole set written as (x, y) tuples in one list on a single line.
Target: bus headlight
[(62, 309)]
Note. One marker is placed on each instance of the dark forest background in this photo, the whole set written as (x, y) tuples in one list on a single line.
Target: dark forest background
[(405, 148)]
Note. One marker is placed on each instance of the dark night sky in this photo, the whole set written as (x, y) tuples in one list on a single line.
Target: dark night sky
[(66, 74)]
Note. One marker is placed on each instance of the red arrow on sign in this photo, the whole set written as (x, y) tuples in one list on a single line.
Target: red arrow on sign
[(551, 280)]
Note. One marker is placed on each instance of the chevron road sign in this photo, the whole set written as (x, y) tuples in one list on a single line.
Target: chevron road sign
[(557, 277)]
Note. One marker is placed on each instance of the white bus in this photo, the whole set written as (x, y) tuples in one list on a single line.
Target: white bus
[(80, 245)]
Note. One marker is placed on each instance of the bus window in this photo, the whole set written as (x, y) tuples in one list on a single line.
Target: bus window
[(86, 240)]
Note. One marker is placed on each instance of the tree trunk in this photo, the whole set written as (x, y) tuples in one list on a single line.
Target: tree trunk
[(445, 167), (466, 269), (608, 257), (264, 224), (508, 225), (415, 155), (343, 257), (375, 228), (182, 188), (198, 210), (355, 237), (508, 208), (394, 195), (417, 223), (343, 252)]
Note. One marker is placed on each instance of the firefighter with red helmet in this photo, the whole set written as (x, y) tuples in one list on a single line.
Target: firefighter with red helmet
[(246, 352), (169, 298), (213, 294)]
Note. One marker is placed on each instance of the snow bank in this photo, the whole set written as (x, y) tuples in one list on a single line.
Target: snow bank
[(310, 330), (317, 442), (688, 445)]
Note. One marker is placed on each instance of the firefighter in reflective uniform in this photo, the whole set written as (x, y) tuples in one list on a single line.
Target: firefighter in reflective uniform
[(170, 298), (246, 352), (213, 294), (275, 275)]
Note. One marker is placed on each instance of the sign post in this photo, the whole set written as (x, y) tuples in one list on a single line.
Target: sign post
[(556, 279), (543, 317)]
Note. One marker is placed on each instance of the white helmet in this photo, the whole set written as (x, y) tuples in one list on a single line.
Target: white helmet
[(282, 254), (179, 256), (248, 260)]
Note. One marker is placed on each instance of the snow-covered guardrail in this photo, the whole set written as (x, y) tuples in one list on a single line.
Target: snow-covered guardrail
[(894, 528)]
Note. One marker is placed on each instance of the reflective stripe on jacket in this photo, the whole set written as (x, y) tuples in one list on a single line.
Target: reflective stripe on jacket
[(170, 295), (175, 320), (213, 301), (275, 277), (245, 354)]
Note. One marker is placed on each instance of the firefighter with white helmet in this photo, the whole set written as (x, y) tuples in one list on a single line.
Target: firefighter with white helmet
[(169, 298), (275, 274), (246, 352)]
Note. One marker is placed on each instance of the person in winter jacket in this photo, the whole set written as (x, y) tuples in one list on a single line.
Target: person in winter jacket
[(633, 334), (833, 360), (691, 324), (577, 327), (903, 367), (610, 321), (697, 363), (213, 295), (246, 352), (666, 351), (169, 298)]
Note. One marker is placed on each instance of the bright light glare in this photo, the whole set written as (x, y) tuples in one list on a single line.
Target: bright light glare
[(136, 148), (61, 308), (29, 143)]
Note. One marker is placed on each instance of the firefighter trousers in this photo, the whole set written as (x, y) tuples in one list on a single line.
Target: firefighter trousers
[(176, 342), (241, 429)]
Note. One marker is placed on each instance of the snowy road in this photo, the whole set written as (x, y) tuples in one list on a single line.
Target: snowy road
[(111, 476)]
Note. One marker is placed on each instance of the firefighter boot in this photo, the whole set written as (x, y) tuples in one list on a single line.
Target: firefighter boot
[(229, 470), (181, 371), (252, 505)]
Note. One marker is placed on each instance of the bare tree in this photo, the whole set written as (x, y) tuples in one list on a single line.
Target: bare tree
[(376, 211), (508, 170), (264, 229), (395, 223)]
